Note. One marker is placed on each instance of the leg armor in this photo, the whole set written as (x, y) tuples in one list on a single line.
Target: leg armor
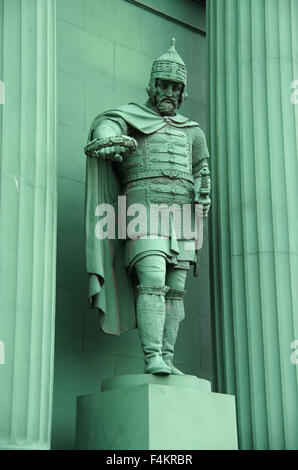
[(174, 313), (151, 311)]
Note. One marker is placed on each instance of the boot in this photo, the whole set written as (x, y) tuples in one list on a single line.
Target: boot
[(151, 320), (174, 315)]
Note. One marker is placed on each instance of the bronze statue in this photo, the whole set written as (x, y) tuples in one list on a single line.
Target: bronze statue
[(152, 157)]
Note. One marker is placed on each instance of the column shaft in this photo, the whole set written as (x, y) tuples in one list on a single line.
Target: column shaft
[(27, 221), (253, 128)]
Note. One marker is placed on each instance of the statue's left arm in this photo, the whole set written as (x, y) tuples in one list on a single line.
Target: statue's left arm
[(201, 173)]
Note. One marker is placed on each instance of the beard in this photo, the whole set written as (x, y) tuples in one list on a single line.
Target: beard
[(166, 107)]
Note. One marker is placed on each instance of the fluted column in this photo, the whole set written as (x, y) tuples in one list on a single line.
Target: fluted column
[(253, 129), (27, 222)]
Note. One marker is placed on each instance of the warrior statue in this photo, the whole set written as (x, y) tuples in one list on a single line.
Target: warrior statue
[(150, 155)]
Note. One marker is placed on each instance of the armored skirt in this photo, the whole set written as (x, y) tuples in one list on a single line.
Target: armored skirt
[(160, 220)]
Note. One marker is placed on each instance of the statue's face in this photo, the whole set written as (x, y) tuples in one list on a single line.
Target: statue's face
[(167, 96)]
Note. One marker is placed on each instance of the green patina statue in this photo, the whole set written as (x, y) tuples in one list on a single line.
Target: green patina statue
[(139, 158)]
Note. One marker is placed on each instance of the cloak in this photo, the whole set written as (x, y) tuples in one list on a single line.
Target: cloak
[(111, 289)]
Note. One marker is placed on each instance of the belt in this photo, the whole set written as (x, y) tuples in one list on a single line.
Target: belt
[(171, 173)]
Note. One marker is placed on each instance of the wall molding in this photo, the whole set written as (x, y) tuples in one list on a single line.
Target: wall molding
[(164, 15)]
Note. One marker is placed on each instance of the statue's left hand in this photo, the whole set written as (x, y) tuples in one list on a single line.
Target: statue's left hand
[(203, 189), (205, 201)]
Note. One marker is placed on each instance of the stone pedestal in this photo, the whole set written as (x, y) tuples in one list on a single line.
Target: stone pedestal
[(147, 412)]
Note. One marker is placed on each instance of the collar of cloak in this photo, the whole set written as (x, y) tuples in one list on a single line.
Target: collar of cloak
[(143, 118)]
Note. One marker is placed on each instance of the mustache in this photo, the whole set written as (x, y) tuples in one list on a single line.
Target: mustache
[(167, 100)]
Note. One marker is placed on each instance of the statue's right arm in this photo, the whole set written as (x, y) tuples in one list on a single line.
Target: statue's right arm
[(106, 129)]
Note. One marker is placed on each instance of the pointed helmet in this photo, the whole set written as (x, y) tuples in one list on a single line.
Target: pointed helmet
[(169, 66)]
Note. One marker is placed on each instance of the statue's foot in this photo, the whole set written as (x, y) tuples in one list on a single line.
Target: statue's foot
[(155, 365), (175, 371), (169, 363)]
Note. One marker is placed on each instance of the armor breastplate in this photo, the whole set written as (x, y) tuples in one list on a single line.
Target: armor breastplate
[(164, 153)]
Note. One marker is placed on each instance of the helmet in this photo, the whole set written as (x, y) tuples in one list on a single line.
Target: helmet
[(169, 66)]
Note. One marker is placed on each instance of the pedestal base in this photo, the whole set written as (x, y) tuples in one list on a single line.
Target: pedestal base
[(147, 412)]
